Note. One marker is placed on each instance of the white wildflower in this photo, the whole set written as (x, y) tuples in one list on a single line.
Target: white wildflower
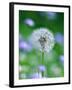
[(42, 39)]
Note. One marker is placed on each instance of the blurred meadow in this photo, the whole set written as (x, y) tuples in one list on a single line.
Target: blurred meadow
[(30, 58)]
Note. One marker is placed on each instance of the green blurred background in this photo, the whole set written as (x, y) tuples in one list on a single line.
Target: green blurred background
[(29, 58)]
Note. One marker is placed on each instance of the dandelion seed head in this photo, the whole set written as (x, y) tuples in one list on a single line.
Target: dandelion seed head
[(42, 39)]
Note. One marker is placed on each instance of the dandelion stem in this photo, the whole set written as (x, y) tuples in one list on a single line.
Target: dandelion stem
[(42, 62)]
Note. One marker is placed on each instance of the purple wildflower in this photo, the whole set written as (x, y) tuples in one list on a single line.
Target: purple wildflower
[(42, 68), (36, 75), (51, 15), (59, 38), (62, 58), (25, 46), (29, 22)]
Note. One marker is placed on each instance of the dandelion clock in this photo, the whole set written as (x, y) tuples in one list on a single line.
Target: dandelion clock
[(42, 39)]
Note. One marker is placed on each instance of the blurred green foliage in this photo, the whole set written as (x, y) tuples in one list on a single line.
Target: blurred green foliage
[(30, 60)]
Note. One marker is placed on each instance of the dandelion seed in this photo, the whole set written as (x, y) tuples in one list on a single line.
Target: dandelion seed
[(42, 39)]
